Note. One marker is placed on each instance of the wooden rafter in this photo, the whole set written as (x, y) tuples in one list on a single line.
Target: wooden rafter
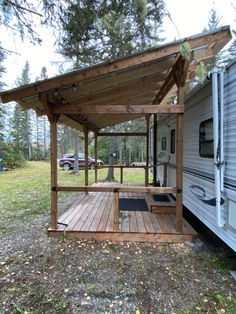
[(48, 108), (119, 93), (221, 36), (119, 109), (122, 134), (83, 121)]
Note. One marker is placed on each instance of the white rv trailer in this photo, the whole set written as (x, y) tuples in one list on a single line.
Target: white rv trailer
[(209, 165)]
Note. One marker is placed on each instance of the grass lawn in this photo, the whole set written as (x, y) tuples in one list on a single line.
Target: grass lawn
[(41, 275), (25, 192)]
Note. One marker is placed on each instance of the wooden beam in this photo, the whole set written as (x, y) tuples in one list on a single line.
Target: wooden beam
[(147, 151), (86, 155), (133, 98), (96, 157), (133, 95), (219, 35), (121, 174), (48, 107), (165, 174), (181, 72), (53, 119), (124, 89), (122, 134), (154, 149), (53, 154), (121, 188), (168, 83), (83, 121), (179, 164), (118, 109), (116, 210)]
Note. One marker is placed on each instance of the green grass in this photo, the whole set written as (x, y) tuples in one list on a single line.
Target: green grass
[(25, 192)]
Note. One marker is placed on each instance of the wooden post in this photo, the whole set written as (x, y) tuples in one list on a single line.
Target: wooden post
[(121, 174), (86, 155), (96, 157), (116, 210), (155, 149), (147, 151), (53, 153), (179, 163), (53, 119), (165, 174)]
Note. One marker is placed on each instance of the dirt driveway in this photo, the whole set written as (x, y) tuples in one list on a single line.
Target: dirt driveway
[(43, 275)]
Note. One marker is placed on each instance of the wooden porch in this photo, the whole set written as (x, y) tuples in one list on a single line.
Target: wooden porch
[(92, 216), (139, 86)]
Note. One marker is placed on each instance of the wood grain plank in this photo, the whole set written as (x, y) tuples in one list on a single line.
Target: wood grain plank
[(155, 224), (95, 208), (140, 222), (110, 220), (102, 226), (164, 225), (84, 211), (73, 215), (147, 222), (133, 227), (99, 213), (124, 236), (125, 216)]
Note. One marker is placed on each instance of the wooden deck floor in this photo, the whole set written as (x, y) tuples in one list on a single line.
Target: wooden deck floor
[(92, 217)]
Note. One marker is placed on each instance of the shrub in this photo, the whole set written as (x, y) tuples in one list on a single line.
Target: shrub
[(12, 158)]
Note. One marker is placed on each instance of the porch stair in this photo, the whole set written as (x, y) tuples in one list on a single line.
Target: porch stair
[(166, 205)]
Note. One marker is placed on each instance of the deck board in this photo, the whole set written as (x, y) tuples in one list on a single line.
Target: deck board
[(124, 225), (105, 214), (133, 222), (91, 216), (96, 208)]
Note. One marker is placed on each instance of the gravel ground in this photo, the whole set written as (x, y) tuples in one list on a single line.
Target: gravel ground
[(43, 275)]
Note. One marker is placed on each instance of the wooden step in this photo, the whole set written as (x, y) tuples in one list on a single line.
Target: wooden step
[(160, 207)]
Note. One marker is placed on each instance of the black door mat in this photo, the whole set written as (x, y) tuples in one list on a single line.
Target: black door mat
[(161, 198), (133, 204)]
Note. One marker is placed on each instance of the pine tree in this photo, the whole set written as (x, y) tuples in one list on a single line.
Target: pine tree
[(21, 121), (213, 23), (2, 109), (99, 30), (42, 126), (213, 20), (232, 48)]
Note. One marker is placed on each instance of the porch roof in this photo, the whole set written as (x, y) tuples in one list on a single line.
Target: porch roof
[(123, 89)]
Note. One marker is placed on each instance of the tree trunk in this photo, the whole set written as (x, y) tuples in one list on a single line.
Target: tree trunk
[(37, 137), (76, 155), (29, 152), (44, 138), (121, 152), (110, 175)]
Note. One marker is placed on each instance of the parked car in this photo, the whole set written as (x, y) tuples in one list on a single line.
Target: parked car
[(138, 163), (67, 161)]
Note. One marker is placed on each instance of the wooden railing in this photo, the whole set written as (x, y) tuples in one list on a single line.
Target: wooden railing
[(146, 169), (122, 167), (116, 190)]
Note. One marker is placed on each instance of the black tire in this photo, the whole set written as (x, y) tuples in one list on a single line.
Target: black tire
[(66, 167), (92, 167)]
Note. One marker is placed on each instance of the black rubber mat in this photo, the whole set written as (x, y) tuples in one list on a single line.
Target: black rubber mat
[(134, 204), (161, 198)]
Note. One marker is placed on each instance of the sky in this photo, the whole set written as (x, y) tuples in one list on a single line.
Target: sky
[(189, 17)]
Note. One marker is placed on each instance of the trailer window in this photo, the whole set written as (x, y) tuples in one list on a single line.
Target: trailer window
[(163, 143), (172, 141), (206, 144)]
